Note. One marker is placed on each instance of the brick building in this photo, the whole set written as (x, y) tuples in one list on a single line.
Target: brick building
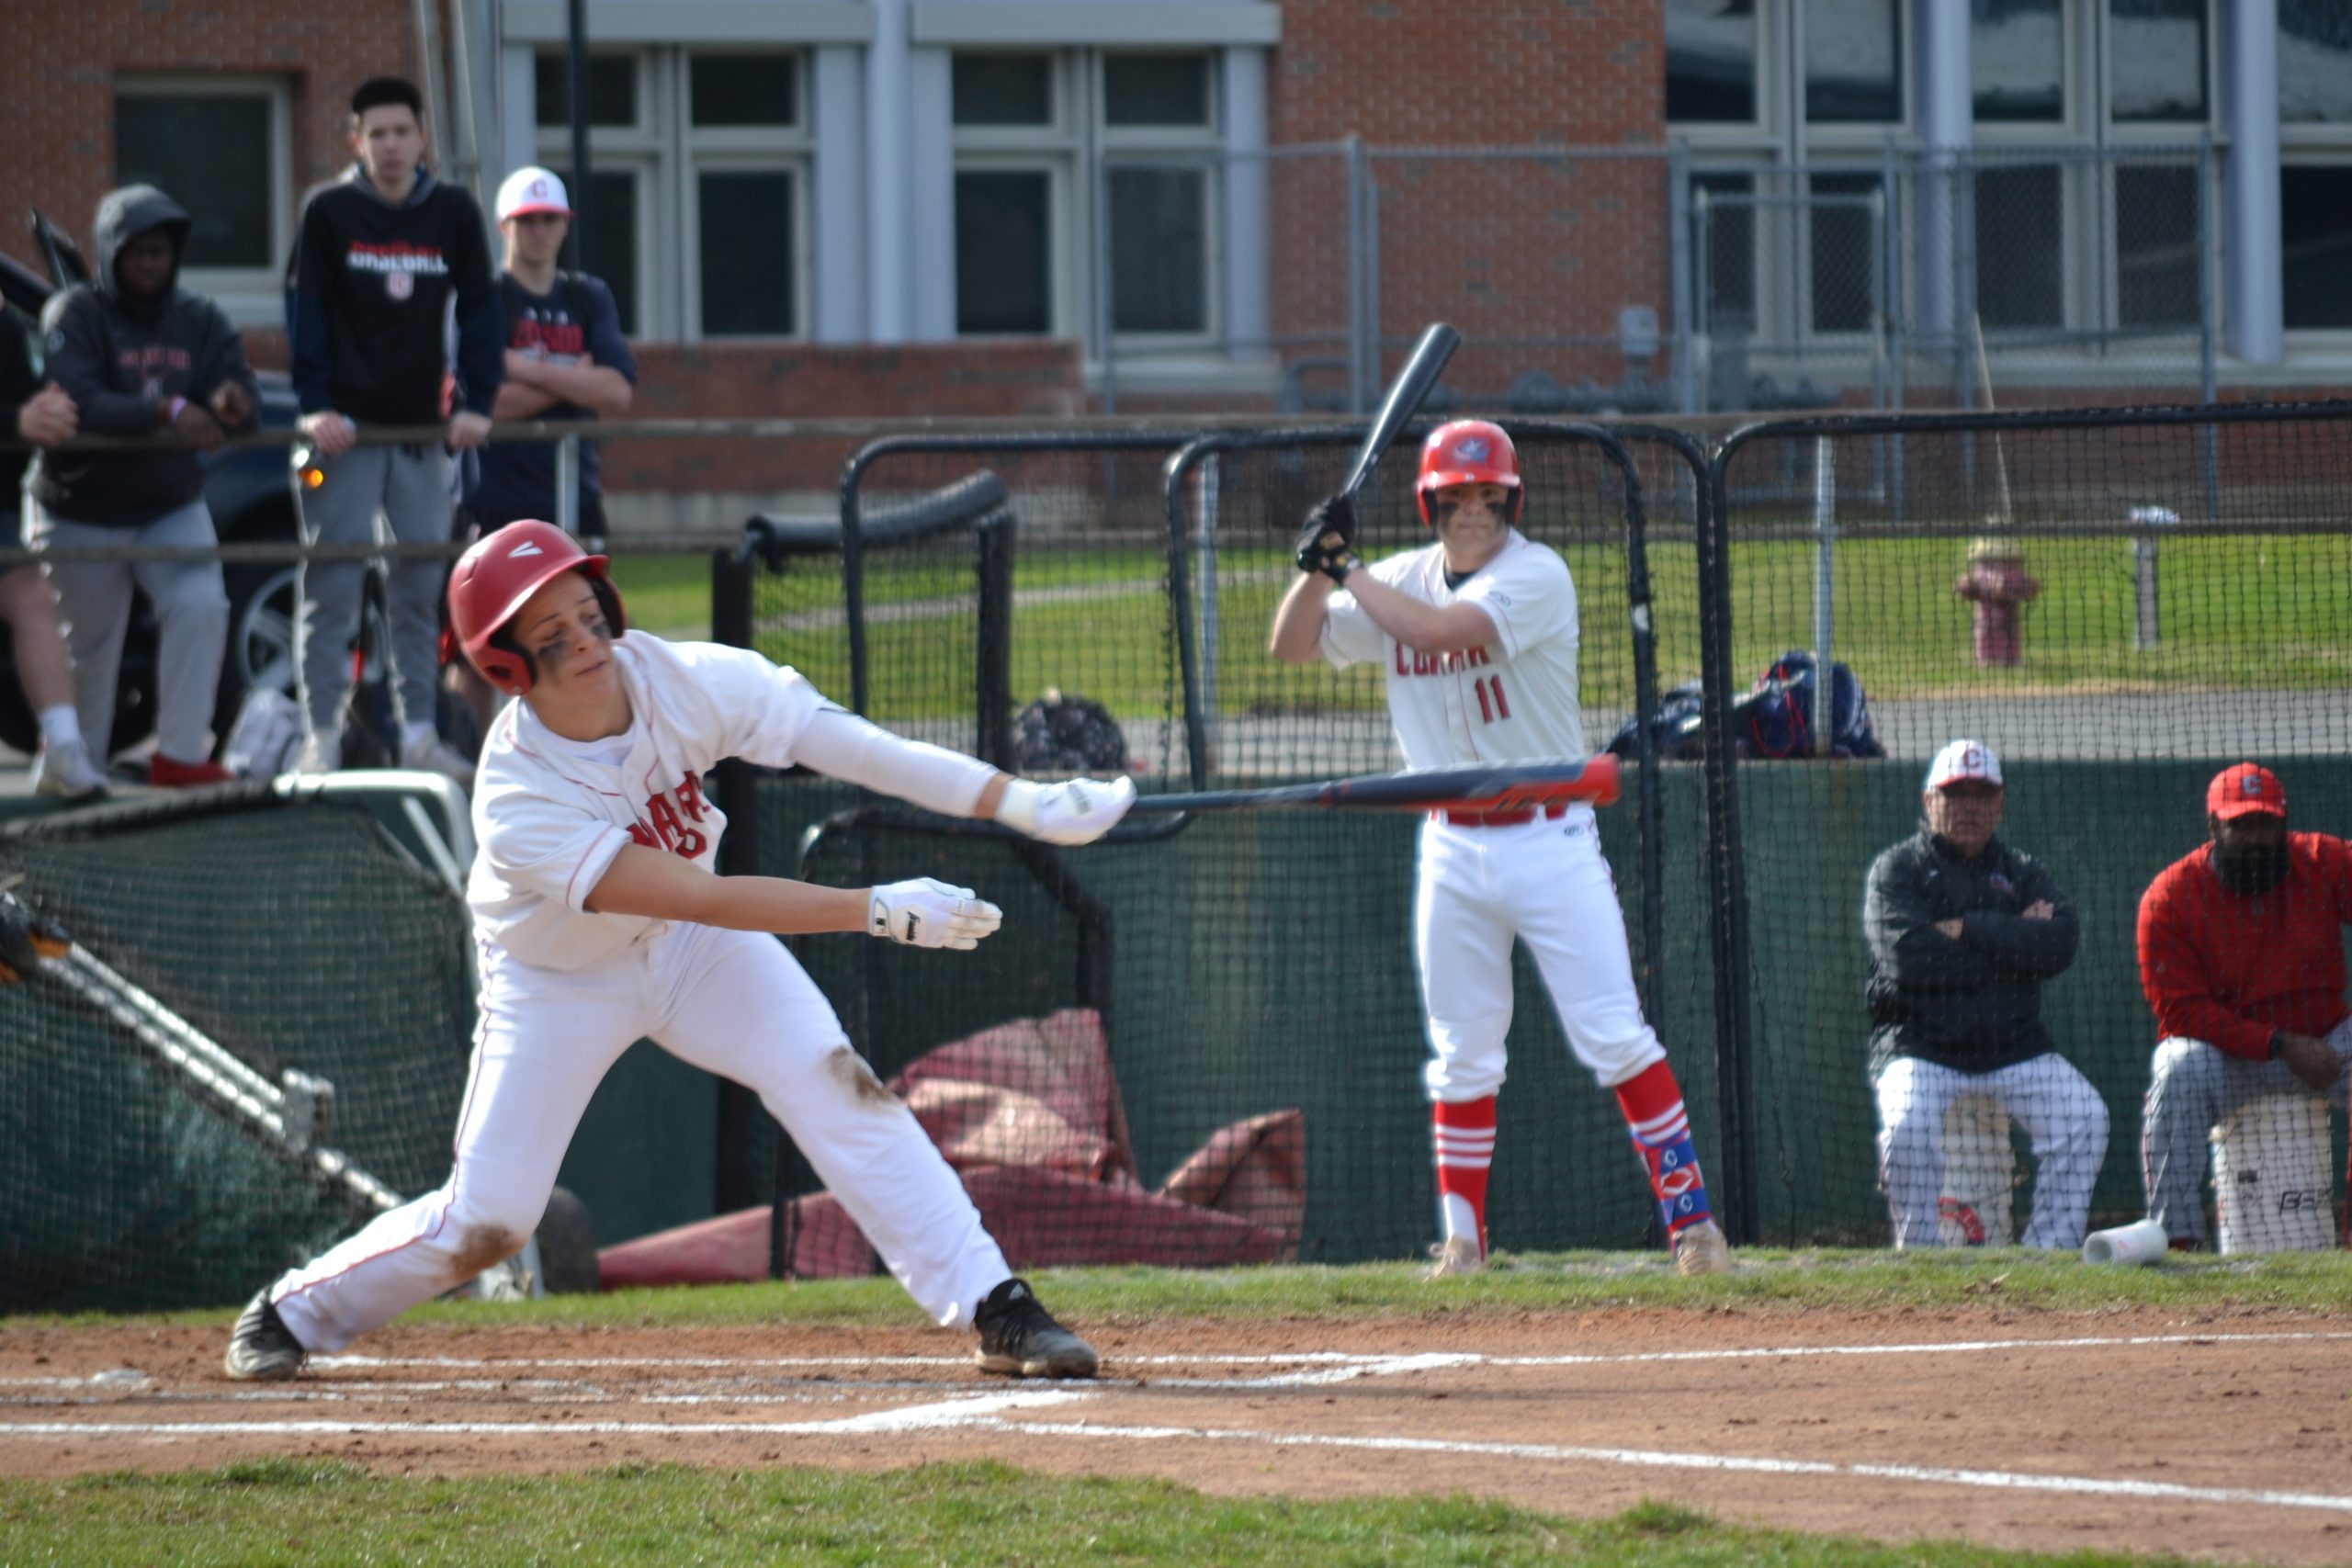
[(1039, 208)]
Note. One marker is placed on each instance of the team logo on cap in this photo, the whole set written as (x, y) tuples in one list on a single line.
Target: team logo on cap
[(1473, 450), (2251, 785), (524, 548)]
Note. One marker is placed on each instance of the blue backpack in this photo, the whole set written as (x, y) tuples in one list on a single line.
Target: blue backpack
[(1776, 719)]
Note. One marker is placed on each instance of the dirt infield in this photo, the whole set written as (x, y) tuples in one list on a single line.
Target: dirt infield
[(2220, 1436)]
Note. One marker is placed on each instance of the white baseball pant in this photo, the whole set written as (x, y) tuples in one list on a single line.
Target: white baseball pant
[(2048, 1096), (1545, 882), (734, 1003)]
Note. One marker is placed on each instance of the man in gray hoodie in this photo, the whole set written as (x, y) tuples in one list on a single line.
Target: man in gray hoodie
[(143, 358)]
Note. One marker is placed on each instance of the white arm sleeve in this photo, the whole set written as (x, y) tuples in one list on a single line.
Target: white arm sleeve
[(838, 744)]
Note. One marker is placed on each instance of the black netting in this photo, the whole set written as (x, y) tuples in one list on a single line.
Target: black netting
[(293, 935), (1246, 979), (2115, 606)]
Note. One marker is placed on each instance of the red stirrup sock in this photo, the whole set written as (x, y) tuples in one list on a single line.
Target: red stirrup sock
[(1651, 1103), (1462, 1143)]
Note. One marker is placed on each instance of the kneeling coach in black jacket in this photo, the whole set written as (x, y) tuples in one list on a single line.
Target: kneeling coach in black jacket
[(1963, 931)]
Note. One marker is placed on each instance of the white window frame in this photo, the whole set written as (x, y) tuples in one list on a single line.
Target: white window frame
[(253, 297), (1057, 149), (739, 149), (1208, 139), (1771, 112), (665, 154)]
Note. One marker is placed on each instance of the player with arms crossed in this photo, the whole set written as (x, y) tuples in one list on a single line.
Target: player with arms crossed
[(1476, 636), (599, 921)]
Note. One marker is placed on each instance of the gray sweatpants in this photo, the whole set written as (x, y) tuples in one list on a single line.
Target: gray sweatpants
[(191, 614), (409, 485), (2192, 1086)]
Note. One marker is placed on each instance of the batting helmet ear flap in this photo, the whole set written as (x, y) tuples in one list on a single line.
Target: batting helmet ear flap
[(608, 601)]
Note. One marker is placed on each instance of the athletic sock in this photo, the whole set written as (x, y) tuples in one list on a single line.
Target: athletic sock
[(1462, 1139), (1651, 1103), (61, 726)]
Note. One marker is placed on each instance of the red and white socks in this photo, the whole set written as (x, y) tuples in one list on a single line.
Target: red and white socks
[(1651, 1103), (1461, 1141)]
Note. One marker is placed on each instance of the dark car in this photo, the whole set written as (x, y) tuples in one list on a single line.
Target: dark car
[(250, 494)]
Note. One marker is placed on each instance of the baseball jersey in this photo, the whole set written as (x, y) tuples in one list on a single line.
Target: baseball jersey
[(1513, 699), (549, 814)]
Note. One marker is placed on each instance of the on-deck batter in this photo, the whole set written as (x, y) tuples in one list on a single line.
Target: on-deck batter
[(1476, 638), (599, 921)]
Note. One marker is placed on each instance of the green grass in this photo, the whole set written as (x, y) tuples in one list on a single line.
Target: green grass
[(2249, 611), (325, 1511), (1769, 1281)]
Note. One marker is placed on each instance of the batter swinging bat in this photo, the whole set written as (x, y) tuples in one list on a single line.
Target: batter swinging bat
[(1509, 787), (1421, 371)]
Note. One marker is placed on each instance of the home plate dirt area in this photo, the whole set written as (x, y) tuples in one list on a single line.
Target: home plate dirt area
[(2219, 1435)]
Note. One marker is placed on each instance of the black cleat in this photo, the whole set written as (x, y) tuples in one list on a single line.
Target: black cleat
[(1019, 1338), (261, 1348)]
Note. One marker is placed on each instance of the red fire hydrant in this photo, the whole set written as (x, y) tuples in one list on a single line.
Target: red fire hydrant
[(1996, 583)]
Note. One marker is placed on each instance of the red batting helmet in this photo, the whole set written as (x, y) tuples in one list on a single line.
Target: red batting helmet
[(1469, 452), (493, 579)]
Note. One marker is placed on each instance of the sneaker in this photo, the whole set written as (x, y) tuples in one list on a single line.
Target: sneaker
[(432, 754), (165, 773), (261, 1348), (1455, 1257), (66, 773), (1701, 1248), (320, 754), (1019, 1338)]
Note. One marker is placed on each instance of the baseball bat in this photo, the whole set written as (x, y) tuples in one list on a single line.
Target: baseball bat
[(1508, 786), (1422, 369)]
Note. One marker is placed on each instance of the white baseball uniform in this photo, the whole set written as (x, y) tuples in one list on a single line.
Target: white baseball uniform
[(565, 991), (1538, 876)]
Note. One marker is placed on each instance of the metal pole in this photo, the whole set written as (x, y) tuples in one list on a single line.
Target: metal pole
[(567, 486), (1206, 569), (1356, 301), (1824, 577), (1898, 347), (1677, 204), (576, 67), (1702, 348), (1106, 307), (2208, 329)]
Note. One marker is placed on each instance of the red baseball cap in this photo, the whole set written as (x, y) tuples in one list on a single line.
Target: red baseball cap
[(2248, 786)]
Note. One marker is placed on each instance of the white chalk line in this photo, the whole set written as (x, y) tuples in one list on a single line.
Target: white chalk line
[(985, 1412)]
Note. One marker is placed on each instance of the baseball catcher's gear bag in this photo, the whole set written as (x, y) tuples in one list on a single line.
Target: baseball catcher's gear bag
[(495, 577), (1674, 726), (1468, 451), (1325, 541), (1777, 718), (1067, 734)]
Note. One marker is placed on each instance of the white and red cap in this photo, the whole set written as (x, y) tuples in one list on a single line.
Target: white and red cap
[(1964, 759), (532, 189)]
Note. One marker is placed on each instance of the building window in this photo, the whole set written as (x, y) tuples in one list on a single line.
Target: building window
[(1047, 143), (2016, 61), (697, 207), (1853, 61), (1710, 50), (1845, 243), (2156, 61), (219, 147), (2314, 63), (1004, 252), (2156, 246), (2019, 253), (2316, 223), (1729, 278)]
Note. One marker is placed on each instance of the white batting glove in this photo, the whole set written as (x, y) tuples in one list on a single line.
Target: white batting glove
[(926, 912), (1076, 812)]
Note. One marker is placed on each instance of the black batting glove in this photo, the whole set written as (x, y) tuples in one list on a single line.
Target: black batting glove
[(1326, 542)]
